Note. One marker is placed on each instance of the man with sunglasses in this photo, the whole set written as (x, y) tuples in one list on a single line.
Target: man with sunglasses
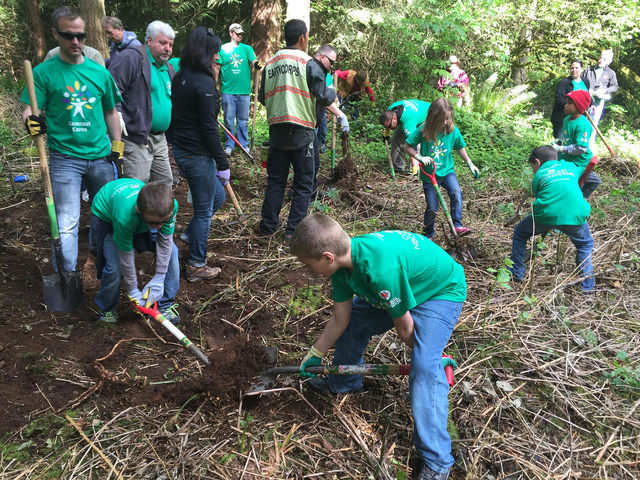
[(235, 79), (78, 97), (144, 77)]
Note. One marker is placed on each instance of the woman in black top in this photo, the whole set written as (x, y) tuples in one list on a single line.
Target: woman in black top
[(196, 143), (566, 85)]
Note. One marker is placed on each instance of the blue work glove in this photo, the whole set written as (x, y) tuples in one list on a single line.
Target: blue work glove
[(344, 123), (224, 176), (313, 358), (152, 291), (136, 296)]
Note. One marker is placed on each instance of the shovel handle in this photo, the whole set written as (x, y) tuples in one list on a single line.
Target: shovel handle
[(595, 127), (226, 130), (436, 187), (393, 172), (587, 170), (234, 200)]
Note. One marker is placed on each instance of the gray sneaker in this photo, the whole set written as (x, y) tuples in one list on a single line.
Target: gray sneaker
[(427, 474), (227, 152)]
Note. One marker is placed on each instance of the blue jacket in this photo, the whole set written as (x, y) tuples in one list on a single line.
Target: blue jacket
[(131, 70), (129, 39)]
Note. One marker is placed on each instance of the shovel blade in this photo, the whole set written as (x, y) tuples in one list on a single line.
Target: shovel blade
[(62, 292)]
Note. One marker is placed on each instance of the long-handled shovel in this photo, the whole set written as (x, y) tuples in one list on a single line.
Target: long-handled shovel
[(393, 172), (268, 377), (255, 107), (184, 341), (246, 152), (595, 127), (436, 187), (62, 291)]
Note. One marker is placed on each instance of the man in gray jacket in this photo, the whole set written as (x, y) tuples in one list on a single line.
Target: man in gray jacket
[(143, 77), (119, 37)]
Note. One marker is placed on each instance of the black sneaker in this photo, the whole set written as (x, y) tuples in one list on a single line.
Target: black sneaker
[(427, 474), (260, 232), (321, 385)]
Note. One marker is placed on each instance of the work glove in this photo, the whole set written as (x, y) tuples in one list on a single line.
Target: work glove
[(115, 157), (152, 291), (426, 161), (449, 362), (558, 148), (35, 125), (386, 134), (224, 176), (474, 170), (344, 123), (414, 169), (313, 358), (258, 65), (123, 127), (135, 296)]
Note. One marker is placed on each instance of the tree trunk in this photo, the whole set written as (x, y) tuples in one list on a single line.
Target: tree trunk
[(92, 12), (265, 28), (519, 66), (299, 9), (39, 41)]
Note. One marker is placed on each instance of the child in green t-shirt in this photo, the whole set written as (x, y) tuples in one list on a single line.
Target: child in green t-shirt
[(437, 139), (559, 204), (573, 144), (380, 281), (122, 214)]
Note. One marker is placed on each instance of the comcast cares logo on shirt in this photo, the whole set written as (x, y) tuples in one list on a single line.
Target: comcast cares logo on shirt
[(78, 97), (235, 60), (385, 294)]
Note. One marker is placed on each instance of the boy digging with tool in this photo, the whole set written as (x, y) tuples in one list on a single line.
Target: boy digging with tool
[(122, 213), (573, 144), (559, 205), (381, 280)]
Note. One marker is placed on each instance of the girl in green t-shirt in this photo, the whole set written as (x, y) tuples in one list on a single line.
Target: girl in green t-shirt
[(437, 139)]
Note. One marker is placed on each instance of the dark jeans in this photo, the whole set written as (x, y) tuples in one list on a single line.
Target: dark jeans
[(321, 130), (278, 164), (450, 183), (579, 235), (208, 196)]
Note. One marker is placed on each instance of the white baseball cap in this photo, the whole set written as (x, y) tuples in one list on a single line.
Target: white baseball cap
[(236, 28)]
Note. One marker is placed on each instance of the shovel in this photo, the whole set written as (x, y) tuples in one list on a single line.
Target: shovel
[(393, 172), (255, 108), (436, 187), (62, 291), (268, 377), (246, 152), (184, 341)]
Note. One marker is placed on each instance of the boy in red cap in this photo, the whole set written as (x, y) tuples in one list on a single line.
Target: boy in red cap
[(573, 144)]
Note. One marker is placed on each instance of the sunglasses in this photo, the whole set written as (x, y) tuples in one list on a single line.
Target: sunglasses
[(331, 62), (70, 36)]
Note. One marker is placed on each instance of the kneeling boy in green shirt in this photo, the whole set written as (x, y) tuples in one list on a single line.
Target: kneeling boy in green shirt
[(122, 214), (380, 281), (559, 205)]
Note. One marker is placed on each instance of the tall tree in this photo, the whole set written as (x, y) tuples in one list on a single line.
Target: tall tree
[(300, 9), (93, 11), (265, 28), (38, 37)]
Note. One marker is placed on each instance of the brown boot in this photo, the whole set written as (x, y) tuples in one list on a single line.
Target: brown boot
[(195, 274)]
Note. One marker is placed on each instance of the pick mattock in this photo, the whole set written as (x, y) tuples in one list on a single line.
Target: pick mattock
[(184, 341), (595, 127), (243, 218)]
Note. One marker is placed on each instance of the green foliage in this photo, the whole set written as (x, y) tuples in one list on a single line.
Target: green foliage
[(623, 375)]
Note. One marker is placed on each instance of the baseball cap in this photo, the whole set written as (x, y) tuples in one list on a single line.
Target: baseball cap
[(236, 28)]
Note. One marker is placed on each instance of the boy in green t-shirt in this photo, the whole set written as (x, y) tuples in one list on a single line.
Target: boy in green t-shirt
[(559, 205), (122, 214), (573, 144), (380, 281)]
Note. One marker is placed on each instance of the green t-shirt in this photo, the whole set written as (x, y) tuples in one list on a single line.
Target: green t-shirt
[(175, 61), (160, 95), (559, 200), (75, 97), (235, 73), (576, 132), (414, 114), (441, 150), (579, 85), (397, 271), (116, 203)]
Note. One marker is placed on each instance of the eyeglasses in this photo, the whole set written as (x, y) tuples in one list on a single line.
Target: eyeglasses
[(81, 36)]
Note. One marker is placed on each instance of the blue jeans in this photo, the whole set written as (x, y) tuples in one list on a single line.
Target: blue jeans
[(450, 183), (321, 130), (236, 109), (278, 165), (67, 174), (109, 292), (579, 235), (433, 325), (592, 182), (207, 194)]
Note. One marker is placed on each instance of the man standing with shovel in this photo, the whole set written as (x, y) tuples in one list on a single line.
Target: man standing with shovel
[(79, 98)]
